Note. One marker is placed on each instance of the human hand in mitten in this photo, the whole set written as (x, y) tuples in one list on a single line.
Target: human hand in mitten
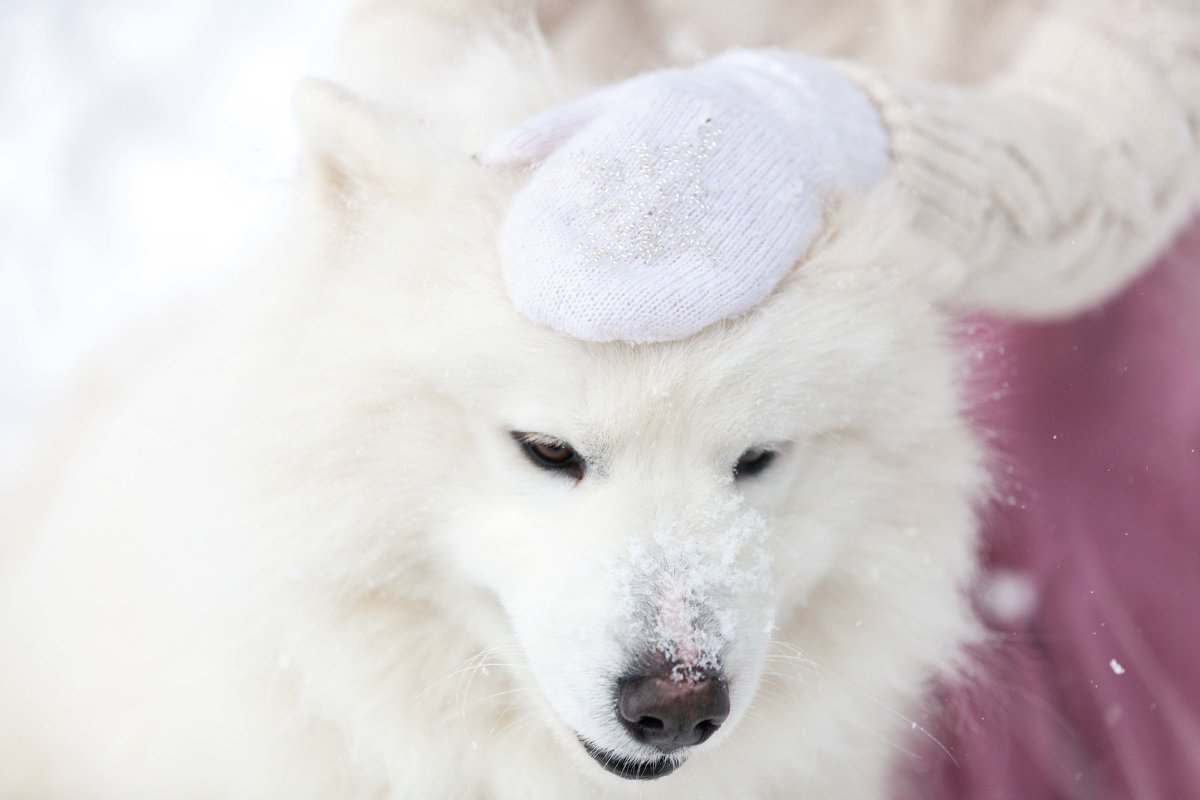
[(680, 197)]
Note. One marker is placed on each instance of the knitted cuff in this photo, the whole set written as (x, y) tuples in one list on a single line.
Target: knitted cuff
[(1024, 157), (937, 158)]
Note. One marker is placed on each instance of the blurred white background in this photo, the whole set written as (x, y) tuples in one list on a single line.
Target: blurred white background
[(145, 150)]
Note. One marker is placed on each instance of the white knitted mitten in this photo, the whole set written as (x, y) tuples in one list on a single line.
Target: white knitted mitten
[(680, 197)]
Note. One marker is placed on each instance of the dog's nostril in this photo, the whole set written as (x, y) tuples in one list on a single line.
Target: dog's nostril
[(667, 712)]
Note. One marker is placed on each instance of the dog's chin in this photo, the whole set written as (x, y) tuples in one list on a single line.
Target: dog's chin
[(628, 768)]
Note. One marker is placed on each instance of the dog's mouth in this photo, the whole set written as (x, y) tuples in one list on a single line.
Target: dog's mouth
[(628, 768)]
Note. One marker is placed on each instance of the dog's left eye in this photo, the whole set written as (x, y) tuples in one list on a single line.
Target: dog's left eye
[(550, 454), (753, 461)]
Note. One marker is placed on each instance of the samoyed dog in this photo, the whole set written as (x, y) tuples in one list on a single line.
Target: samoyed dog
[(356, 528)]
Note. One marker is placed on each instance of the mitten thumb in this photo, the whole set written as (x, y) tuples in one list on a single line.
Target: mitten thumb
[(536, 138)]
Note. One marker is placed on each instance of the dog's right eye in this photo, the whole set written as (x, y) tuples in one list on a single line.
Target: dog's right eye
[(553, 455)]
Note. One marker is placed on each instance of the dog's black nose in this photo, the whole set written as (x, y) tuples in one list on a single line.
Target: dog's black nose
[(673, 708)]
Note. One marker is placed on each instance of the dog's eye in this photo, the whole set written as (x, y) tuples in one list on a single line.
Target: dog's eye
[(555, 454), (753, 461), (550, 453)]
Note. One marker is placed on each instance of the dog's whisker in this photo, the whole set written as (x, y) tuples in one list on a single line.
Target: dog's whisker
[(517, 724), (913, 724), (494, 695), (479, 660)]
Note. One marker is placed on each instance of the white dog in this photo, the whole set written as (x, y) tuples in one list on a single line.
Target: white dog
[(361, 530)]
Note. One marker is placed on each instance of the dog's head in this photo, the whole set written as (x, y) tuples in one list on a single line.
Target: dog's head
[(645, 521)]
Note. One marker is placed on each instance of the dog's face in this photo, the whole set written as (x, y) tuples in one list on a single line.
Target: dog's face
[(646, 515), (645, 519), (622, 519)]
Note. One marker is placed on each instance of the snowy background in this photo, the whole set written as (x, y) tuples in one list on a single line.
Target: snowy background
[(145, 149)]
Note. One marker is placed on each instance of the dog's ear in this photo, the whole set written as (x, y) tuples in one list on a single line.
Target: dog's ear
[(349, 145)]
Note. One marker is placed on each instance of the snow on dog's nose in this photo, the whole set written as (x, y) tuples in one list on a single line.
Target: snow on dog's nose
[(672, 707), (653, 643)]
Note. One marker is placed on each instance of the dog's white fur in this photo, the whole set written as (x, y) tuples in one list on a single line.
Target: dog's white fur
[(298, 553)]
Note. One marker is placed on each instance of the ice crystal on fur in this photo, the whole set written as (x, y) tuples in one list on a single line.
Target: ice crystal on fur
[(681, 583)]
